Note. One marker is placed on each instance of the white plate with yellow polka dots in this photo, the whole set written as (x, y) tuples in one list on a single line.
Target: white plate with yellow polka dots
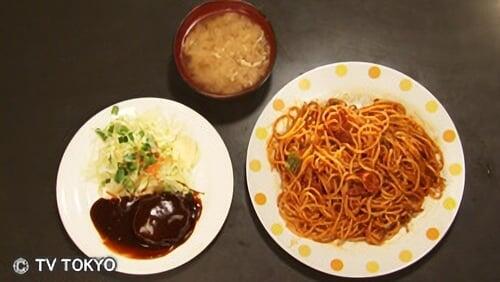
[(359, 83)]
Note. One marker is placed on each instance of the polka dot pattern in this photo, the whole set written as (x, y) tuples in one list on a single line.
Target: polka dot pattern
[(405, 84), (277, 229), (278, 105), (432, 233), (261, 133), (260, 199), (336, 265), (455, 169), (255, 165), (431, 106), (372, 266), (449, 203), (341, 70), (304, 250), (374, 72), (304, 84), (405, 256), (449, 135)]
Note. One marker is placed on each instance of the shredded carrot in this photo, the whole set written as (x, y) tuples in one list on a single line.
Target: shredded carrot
[(153, 168)]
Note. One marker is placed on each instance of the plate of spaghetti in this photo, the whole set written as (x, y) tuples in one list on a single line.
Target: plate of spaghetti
[(355, 169)]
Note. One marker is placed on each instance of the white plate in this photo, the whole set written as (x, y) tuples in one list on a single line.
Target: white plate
[(213, 175), (359, 83)]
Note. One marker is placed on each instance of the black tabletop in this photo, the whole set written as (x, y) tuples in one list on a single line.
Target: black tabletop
[(63, 61)]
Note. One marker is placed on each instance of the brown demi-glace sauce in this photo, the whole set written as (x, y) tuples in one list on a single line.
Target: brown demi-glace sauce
[(147, 226)]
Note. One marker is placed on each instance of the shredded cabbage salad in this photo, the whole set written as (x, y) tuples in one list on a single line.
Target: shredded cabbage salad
[(143, 154)]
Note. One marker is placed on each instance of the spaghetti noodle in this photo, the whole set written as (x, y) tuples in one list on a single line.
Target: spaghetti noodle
[(352, 174)]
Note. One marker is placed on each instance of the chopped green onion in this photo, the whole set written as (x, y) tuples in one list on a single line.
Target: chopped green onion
[(146, 147), (129, 157), (101, 134), (120, 174), (128, 183), (114, 110), (131, 136), (293, 162), (122, 129), (105, 181), (131, 166), (122, 139), (141, 133), (111, 128), (149, 160)]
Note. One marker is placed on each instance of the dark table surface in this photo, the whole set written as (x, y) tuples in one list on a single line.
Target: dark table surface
[(63, 61)]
